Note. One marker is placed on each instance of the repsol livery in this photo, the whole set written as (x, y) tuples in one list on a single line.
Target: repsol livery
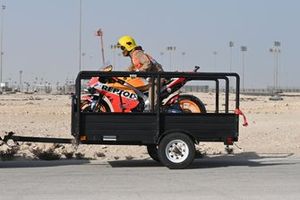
[(124, 93), (130, 93)]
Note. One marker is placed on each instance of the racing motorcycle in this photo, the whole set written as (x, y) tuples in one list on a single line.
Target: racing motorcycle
[(130, 94)]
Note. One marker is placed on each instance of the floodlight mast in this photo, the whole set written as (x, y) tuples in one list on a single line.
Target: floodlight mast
[(100, 34), (3, 7)]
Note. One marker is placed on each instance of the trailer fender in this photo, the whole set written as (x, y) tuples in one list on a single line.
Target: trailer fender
[(177, 131)]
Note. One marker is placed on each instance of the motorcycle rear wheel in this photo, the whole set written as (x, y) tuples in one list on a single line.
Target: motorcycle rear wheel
[(191, 104)]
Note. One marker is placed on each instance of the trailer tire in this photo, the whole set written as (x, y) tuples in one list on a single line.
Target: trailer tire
[(153, 152), (176, 151)]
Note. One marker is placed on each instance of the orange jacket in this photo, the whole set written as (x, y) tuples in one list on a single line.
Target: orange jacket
[(143, 62)]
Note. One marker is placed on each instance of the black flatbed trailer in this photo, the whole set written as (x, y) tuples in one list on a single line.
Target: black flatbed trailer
[(170, 137), (155, 129)]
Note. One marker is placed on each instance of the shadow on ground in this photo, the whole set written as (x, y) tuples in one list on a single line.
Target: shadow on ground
[(249, 159), (41, 163)]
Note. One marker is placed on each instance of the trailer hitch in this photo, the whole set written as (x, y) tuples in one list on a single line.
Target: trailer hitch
[(11, 136)]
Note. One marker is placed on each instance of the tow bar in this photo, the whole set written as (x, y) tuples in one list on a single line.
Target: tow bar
[(10, 136)]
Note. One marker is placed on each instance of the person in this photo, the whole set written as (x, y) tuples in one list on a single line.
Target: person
[(140, 61)]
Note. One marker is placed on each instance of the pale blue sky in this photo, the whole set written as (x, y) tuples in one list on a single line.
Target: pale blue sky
[(41, 36)]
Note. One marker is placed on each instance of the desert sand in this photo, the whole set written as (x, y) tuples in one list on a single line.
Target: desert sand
[(273, 126)]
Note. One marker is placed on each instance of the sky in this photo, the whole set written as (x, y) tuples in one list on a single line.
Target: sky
[(41, 37)]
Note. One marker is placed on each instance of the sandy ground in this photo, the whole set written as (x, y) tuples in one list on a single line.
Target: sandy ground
[(273, 126)]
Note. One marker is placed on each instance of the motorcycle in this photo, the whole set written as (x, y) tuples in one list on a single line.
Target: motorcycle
[(130, 94)]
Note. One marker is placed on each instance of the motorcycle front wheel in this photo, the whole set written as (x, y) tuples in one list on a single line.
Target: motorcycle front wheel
[(100, 107), (191, 104)]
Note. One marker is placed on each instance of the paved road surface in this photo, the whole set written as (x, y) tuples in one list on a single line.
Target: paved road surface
[(224, 177)]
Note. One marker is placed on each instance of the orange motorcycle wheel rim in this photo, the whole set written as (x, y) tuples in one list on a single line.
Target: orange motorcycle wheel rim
[(189, 106), (99, 108)]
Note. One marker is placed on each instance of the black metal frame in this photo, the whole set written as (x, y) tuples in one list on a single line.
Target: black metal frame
[(121, 125), (11, 136)]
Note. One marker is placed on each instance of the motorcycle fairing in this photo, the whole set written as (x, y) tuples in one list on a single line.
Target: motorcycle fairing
[(121, 100)]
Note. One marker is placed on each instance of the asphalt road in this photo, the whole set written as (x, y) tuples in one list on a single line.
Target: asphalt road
[(223, 177)]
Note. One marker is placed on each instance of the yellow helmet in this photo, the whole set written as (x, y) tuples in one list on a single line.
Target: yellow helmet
[(126, 43)]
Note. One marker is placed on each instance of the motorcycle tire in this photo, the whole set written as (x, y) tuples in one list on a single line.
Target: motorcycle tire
[(100, 107), (191, 104)]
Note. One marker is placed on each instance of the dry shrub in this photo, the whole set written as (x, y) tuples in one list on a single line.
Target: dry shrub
[(129, 157), (68, 154), (79, 155), (9, 153), (116, 157), (45, 154), (28, 144), (100, 154)]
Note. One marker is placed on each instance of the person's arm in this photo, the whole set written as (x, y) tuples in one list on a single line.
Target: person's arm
[(131, 68), (144, 61)]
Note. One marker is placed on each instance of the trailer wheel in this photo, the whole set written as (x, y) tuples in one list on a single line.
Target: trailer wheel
[(176, 151), (153, 152)]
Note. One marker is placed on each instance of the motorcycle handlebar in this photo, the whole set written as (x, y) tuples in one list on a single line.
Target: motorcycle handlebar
[(196, 68)]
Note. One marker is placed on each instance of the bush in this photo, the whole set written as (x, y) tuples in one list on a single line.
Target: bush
[(48, 154), (9, 153), (129, 157), (100, 154), (79, 155), (68, 154)]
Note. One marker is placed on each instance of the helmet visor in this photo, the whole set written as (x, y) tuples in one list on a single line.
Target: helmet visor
[(121, 46)]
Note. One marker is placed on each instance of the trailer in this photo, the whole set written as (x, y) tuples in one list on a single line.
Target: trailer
[(170, 137)]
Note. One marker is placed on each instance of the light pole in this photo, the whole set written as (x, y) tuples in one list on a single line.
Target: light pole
[(100, 34), (171, 49), (231, 45), (83, 54), (119, 58), (113, 47), (183, 54), (243, 49), (215, 53), (20, 79), (3, 7), (35, 82), (80, 33), (276, 52), (162, 58)]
